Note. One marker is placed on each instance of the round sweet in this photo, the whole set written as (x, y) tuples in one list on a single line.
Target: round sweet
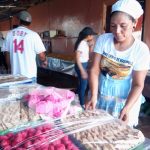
[(60, 147)]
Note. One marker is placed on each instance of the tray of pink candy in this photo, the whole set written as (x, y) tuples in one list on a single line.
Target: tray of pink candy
[(42, 137), (50, 101)]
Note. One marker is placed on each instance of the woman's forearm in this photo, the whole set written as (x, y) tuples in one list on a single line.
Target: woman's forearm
[(94, 75), (136, 89), (79, 64), (93, 82), (133, 96)]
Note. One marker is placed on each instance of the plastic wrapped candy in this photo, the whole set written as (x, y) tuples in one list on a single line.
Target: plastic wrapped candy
[(44, 136), (53, 102)]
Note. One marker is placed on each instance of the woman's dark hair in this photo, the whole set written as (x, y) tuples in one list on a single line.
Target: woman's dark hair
[(129, 16), (83, 34)]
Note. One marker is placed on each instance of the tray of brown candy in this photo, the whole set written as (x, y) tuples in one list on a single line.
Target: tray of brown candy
[(98, 130), (14, 113)]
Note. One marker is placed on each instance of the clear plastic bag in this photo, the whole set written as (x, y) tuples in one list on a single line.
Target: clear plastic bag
[(14, 113), (14, 92), (96, 130)]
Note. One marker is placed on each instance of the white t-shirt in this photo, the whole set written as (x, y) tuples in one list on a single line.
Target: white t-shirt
[(83, 48), (119, 64), (23, 45)]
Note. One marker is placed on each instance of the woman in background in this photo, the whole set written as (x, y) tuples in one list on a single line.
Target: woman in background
[(83, 48), (120, 65)]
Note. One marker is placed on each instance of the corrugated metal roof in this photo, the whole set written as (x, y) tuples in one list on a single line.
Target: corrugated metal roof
[(8, 8)]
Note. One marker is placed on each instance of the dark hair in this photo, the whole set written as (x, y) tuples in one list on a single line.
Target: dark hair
[(83, 34), (25, 23), (129, 16)]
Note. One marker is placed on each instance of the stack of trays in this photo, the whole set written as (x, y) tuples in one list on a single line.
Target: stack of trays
[(7, 80)]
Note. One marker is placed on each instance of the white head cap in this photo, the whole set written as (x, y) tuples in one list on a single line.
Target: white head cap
[(131, 7)]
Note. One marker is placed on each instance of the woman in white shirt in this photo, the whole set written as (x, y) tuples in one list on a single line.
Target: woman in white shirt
[(83, 47), (120, 65)]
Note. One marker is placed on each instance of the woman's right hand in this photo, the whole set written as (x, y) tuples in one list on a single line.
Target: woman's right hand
[(84, 75), (91, 104)]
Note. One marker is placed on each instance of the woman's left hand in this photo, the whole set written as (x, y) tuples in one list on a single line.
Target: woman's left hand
[(124, 115)]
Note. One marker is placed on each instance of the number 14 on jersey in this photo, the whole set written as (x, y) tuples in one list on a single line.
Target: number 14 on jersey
[(18, 45)]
